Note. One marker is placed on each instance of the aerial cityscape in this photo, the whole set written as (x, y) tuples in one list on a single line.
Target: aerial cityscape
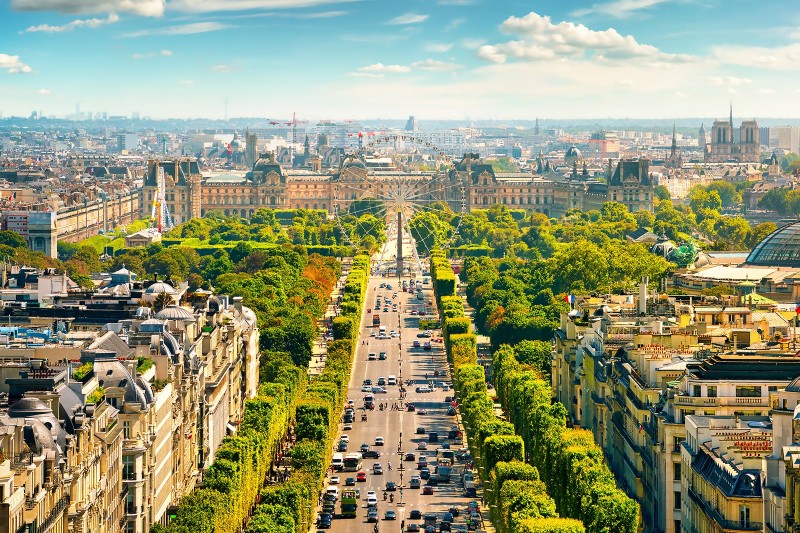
[(437, 266)]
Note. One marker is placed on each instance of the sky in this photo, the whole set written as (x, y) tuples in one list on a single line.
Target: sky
[(435, 59)]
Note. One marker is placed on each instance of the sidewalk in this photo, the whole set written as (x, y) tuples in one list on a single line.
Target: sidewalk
[(319, 351)]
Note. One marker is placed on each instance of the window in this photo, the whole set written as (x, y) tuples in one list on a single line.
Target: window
[(677, 499), (126, 429), (748, 391), (696, 389), (677, 525), (744, 516), (676, 471), (128, 467), (712, 391), (130, 505), (772, 388)]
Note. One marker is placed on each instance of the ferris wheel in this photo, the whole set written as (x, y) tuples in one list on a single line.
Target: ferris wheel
[(424, 210)]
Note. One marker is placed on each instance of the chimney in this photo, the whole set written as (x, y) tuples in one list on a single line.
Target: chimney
[(642, 307), (237, 303)]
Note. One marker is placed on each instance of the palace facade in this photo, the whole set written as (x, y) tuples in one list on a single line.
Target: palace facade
[(469, 184)]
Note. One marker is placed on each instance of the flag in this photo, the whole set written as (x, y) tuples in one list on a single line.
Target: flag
[(797, 309), (641, 427), (569, 298)]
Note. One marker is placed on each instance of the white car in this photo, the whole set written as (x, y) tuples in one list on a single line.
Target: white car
[(348, 427), (366, 388), (379, 441), (372, 501), (345, 438), (334, 480), (394, 334), (371, 494), (371, 333)]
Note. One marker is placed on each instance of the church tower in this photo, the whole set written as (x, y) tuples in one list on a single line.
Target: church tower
[(701, 138)]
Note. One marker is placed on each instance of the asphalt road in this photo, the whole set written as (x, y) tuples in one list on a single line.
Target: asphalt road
[(398, 428)]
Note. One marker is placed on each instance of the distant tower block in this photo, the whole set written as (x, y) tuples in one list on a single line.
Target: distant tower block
[(411, 124)]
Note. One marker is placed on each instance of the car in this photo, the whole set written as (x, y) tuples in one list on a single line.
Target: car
[(448, 399), (412, 528), (324, 521), (394, 334), (433, 481), (427, 490), (382, 356), (433, 436), (329, 507), (342, 447), (334, 480), (378, 390), (371, 454), (415, 514), (415, 483), (426, 346), (366, 388), (372, 501), (350, 482), (382, 381), (422, 411), (425, 473), (371, 493), (345, 438), (372, 356), (413, 312), (385, 309), (377, 469), (348, 426), (372, 333), (367, 382), (391, 486), (372, 515), (451, 411), (382, 286), (361, 476), (411, 407), (445, 387), (447, 517), (364, 447), (444, 526), (415, 344), (422, 335), (379, 441), (390, 515), (410, 457), (421, 430), (422, 445), (445, 446)]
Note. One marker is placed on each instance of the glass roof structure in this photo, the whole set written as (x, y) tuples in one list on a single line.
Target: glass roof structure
[(779, 248)]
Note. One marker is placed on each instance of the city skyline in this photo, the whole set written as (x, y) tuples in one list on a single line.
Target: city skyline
[(352, 59)]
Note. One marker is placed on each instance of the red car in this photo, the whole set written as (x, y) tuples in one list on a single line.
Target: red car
[(361, 476), (427, 490)]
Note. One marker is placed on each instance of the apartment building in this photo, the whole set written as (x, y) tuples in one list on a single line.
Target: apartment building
[(106, 429)]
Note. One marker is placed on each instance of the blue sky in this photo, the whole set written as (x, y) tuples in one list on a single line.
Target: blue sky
[(329, 59)]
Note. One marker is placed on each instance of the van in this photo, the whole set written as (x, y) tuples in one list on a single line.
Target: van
[(369, 401), (382, 330), (333, 490), (338, 461), (392, 380)]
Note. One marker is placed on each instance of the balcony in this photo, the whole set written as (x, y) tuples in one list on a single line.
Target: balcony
[(728, 525), (704, 401)]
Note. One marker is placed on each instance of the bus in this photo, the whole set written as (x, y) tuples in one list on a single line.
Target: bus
[(443, 468), (353, 462), (349, 504), (444, 453)]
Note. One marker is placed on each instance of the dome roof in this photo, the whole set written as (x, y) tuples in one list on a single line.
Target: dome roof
[(353, 162), (29, 407), (573, 152), (159, 287), (779, 248), (174, 312)]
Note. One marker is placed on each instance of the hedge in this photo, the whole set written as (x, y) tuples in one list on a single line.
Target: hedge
[(551, 525)]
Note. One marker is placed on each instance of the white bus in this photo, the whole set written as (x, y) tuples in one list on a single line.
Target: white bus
[(353, 462)]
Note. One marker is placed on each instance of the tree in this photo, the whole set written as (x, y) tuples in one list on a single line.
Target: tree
[(428, 229), (536, 354), (727, 192), (616, 212), (661, 192), (758, 233), (734, 231), (240, 251), (13, 239), (699, 199)]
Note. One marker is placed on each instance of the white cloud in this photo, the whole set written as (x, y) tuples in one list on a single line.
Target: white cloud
[(408, 18), (778, 58), (472, 43), (43, 91), (455, 23), (540, 40), (619, 8), (436, 66), (729, 81), (208, 6), (224, 68), (438, 47), (13, 65), (77, 23), (181, 29), (145, 55), (146, 8), (380, 68)]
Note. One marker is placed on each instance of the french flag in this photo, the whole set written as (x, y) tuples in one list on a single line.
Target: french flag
[(570, 299)]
